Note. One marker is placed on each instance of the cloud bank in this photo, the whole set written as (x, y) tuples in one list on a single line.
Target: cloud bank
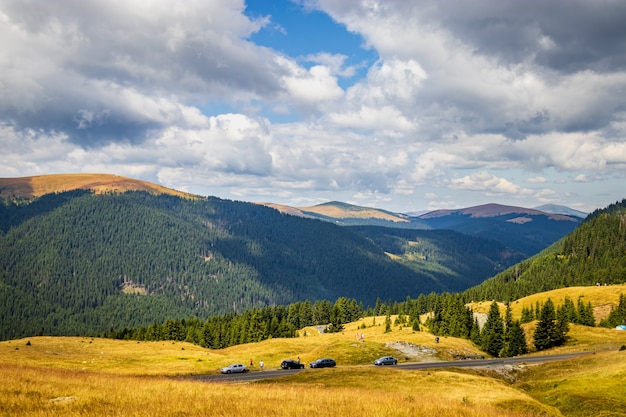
[(467, 102)]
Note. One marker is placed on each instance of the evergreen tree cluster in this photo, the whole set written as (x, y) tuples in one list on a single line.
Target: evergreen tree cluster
[(254, 325), (580, 314), (455, 259), (498, 337), (450, 317), (505, 337), (552, 327)]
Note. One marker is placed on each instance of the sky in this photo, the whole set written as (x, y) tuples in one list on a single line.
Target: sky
[(400, 105)]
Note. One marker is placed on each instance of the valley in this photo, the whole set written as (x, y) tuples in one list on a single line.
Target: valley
[(87, 253)]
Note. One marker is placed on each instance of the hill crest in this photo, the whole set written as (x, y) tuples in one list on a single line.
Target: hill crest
[(36, 186), (493, 210), (337, 209), (342, 212)]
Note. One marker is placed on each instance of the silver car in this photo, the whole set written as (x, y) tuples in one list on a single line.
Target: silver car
[(386, 360), (234, 368)]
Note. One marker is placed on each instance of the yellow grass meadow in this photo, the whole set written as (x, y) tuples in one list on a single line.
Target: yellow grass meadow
[(81, 376), (603, 298)]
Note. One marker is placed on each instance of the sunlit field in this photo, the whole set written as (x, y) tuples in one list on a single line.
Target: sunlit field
[(33, 391), (602, 298), (72, 376)]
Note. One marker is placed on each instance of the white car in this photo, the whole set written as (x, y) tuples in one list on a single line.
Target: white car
[(234, 368)]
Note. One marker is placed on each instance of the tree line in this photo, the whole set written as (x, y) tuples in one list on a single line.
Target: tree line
[(499, 336), (253, 325)]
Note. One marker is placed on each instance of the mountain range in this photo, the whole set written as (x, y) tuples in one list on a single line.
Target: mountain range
[(85, 253), (523, 230)]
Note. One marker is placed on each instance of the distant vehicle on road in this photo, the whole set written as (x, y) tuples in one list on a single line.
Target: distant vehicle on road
[(386, 360), (234, 368), (323, 363), (290, 364)]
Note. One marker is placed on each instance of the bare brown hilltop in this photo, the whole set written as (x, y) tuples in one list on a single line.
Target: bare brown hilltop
[(493, 210), (36, 186), (339, 210)]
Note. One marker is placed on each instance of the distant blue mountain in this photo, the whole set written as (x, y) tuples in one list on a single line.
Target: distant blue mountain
[(524, 230), (556, 209)]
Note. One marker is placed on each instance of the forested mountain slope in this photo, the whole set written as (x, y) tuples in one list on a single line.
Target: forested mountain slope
[(524, 230), (594, 253), (455, 259), (78, 262)]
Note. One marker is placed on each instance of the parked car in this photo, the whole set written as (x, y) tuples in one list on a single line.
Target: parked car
[(234, 368), (386, 360), (290, 364), (323, 363)]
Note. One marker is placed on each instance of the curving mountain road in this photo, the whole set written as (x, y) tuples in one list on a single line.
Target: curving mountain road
[(467, 363)]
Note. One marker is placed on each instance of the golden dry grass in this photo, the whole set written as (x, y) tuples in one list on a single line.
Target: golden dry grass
[(29, 187), (72, 376), (593, 385), (602, 298), (94, 377), (353, 212), (178, 358), (33, 391)]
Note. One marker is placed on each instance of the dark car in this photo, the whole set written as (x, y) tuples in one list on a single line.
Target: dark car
[(386, 360), (289, 364), (323, 363)]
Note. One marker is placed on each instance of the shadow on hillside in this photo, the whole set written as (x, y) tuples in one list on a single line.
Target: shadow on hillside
[(16, 213)]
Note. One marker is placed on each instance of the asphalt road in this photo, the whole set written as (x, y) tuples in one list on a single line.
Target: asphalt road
[(467, 363)]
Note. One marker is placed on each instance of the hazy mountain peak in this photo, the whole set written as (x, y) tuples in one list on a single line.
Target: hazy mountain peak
[(557, 209)]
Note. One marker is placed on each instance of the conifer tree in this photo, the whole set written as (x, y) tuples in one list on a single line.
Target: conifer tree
[(400, 319), (475, 332), (516, 341), (537, 310), (336, 324), (562, 326), (585, 313), (388, 323), (416, 325), (492, 333), (508, 323), (550, 332), (569, 310), (527, 315)]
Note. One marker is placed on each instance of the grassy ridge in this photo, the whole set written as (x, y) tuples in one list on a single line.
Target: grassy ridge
[(30, 187), (181, 358), (603, 298)]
